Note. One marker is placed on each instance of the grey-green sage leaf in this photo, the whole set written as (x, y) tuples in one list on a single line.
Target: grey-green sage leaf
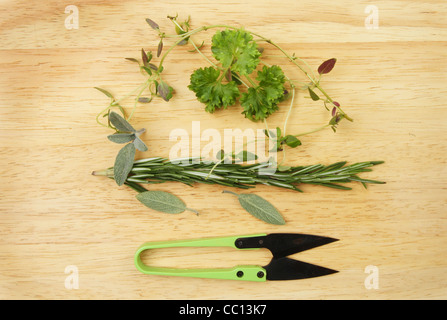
[(162, 201), (259, 208), (120, 123), (123, 163), (121, 137), (139, 144)]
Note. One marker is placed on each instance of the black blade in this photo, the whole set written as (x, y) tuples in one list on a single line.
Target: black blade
[(289, 269), (284, 244)]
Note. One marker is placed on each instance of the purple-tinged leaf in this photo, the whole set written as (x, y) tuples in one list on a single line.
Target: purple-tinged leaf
[(144, 57), (152, 24), (160, 47), (327, 66), (164, 90)]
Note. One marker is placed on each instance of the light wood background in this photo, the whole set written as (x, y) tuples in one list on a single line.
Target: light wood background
[(54, 214)]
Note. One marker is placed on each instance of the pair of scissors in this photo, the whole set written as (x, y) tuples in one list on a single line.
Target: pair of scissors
[(280, 267)]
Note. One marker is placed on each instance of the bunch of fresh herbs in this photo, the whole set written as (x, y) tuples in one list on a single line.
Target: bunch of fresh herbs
[(237, 76)]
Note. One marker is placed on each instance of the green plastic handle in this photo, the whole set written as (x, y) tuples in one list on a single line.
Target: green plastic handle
[(243, 272)]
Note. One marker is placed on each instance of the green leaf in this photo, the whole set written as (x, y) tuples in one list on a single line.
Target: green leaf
[(148, 70), (220, 155), (259, 208), (271, 135), (121, 137), (236, 49), (120, 123), (278, 132), (107, 93), (210, 91), (133, 60), (262, 101), (123, 163), (292, 141), (139, 144), (246, 156), (162, 201), (313, 95)]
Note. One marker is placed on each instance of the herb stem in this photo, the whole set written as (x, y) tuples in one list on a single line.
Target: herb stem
[(203, 56), (312, 131), (130, 94), (251, 81), (290, 109), (144, 87)]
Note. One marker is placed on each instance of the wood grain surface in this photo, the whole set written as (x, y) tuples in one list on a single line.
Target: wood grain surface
[(54, 215)]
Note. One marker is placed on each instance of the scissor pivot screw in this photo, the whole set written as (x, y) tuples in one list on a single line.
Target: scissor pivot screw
[(260, 274), (240, 274)]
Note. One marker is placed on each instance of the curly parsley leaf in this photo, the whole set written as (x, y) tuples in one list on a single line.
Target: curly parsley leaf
[(209, 89), (236, 49), (262, 101)]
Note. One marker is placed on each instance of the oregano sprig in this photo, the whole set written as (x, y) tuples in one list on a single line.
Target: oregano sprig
[(236, 76)]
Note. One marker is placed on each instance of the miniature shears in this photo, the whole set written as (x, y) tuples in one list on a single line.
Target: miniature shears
[(280, 267)]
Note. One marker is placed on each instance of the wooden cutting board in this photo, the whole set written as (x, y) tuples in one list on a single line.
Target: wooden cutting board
[(69, 235)]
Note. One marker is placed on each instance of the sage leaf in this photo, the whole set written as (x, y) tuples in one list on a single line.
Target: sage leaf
[(259, 208), (121, 137), (327, 66), (162, 201), (139, 144), (120, 123), (123, 163)]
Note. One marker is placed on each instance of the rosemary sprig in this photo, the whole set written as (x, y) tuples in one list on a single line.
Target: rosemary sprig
[(193, 170)]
